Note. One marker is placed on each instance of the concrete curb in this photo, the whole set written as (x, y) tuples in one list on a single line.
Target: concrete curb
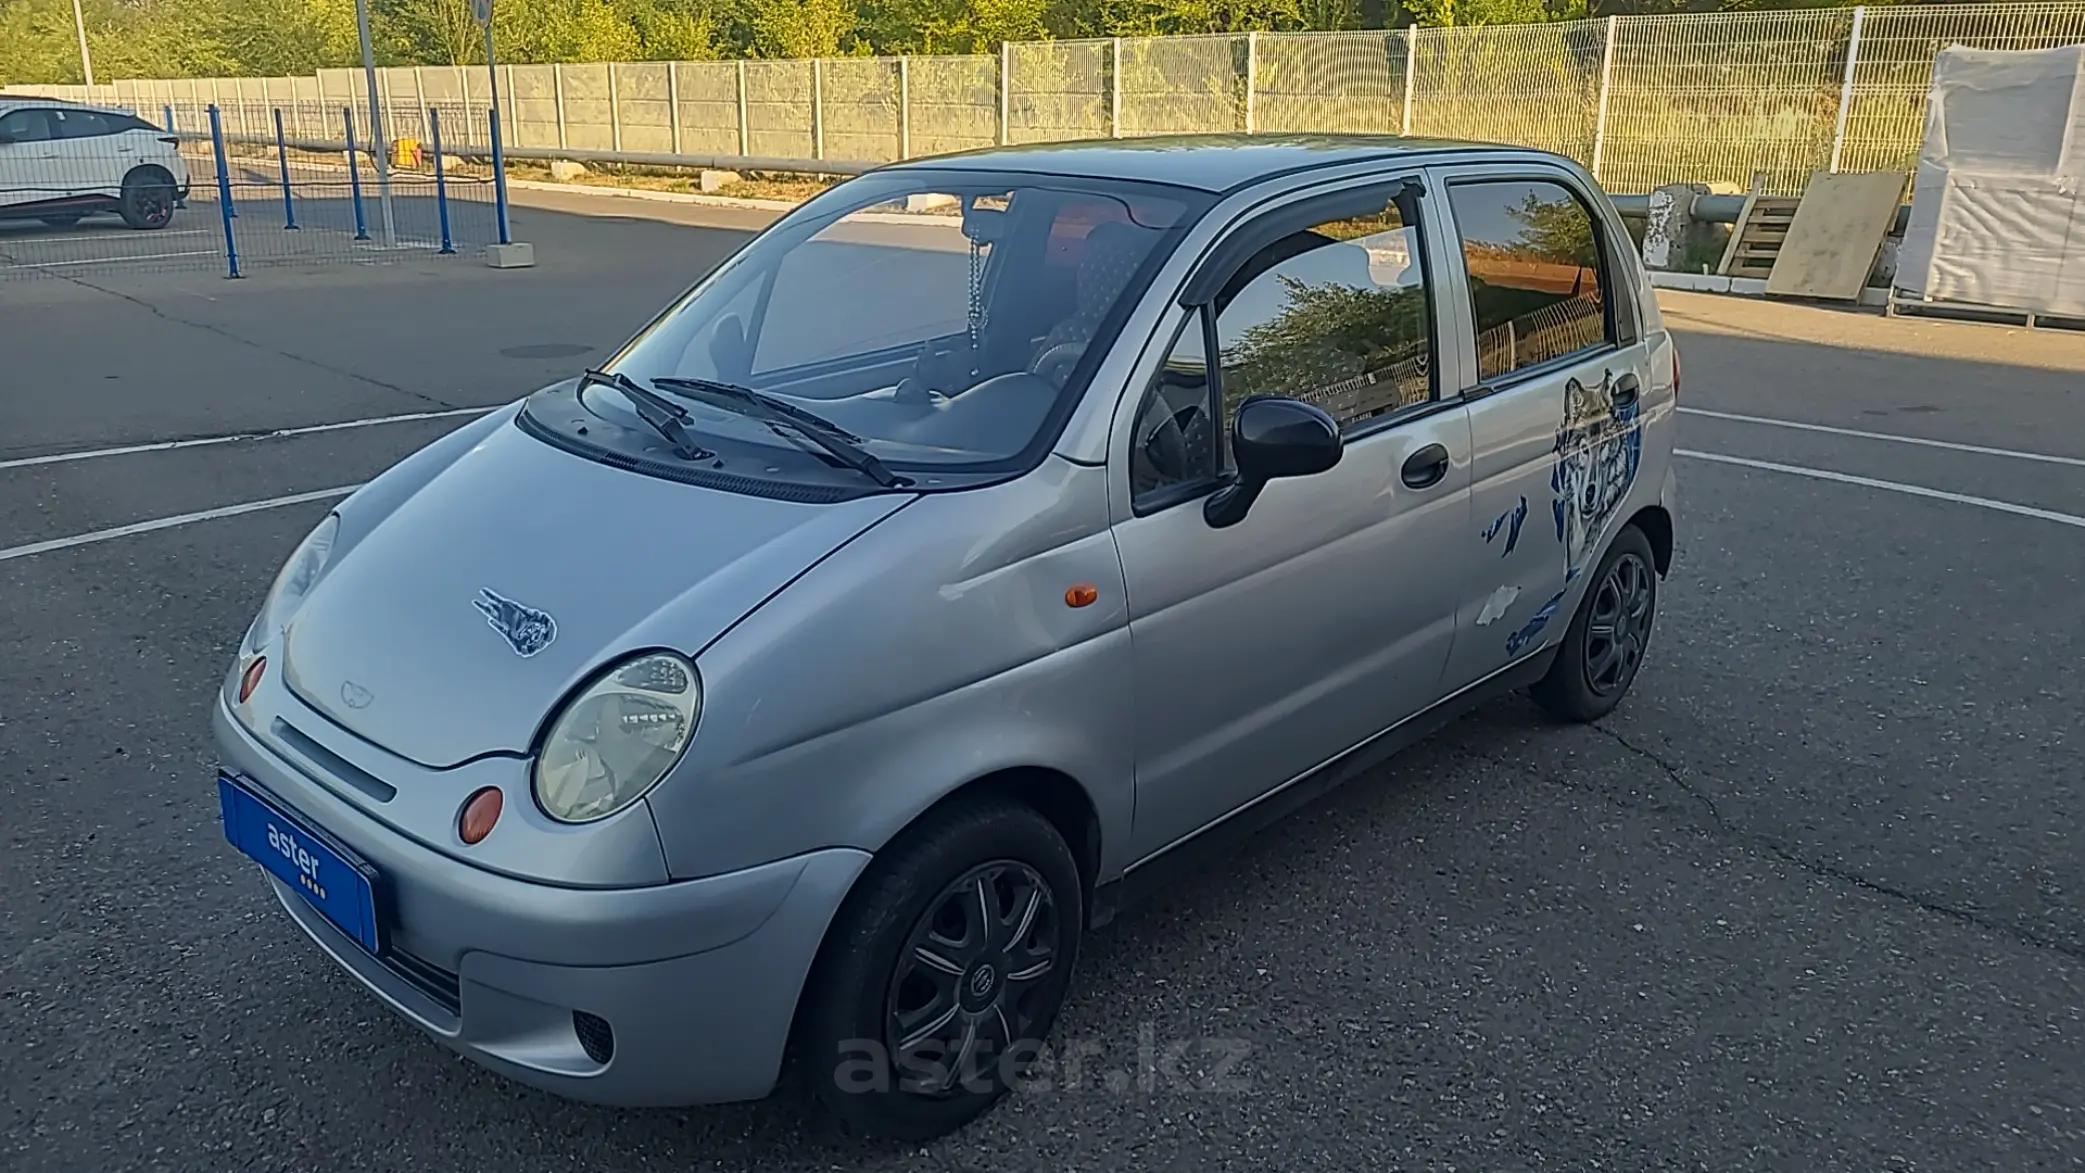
[(638, 193), (1741, 286)]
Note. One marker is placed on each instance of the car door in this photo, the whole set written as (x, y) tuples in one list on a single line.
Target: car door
[(1560, 368), (1265, 648), (29, 166), (91, 155)]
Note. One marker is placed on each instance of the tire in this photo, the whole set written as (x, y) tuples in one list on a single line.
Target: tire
[(65, 220), (1604, 648), (147, 202), (873, 982)]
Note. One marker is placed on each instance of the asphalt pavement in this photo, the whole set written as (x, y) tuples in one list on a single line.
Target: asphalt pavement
[(1812, 899)]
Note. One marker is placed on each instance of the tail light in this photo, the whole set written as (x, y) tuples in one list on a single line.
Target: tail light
[(1675, 374)]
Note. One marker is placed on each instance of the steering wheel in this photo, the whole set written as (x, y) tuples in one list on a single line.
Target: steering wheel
[(1055, 363), (1167, 446)]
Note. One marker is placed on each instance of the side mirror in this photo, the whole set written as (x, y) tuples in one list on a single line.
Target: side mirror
[(7, 140), (1271, 438)]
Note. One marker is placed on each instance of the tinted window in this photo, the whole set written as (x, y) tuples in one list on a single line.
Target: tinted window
[(83, 123), (1536, 281), (27, 126), (1335, 315)]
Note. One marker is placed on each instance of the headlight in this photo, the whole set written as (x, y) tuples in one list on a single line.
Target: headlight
[(294, 582), (618, 737)]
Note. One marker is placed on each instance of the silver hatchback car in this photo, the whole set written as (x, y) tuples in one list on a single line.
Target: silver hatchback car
[(985, 539)]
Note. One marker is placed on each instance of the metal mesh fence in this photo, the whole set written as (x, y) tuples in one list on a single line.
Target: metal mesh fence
[(1716, 102), (706, 106), (1532, 85), (1644, 100), (1056, 90), (1180, 85), (105, 194), (951, 104), (1346, 83), (858, 108), (777, 109), (1886, 115)]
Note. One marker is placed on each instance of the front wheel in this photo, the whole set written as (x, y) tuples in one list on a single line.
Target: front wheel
[(1604, 647), (148, 198), (945, 971)]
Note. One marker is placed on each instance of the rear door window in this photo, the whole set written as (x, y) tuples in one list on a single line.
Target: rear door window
[(28, 126), (1538, 287)]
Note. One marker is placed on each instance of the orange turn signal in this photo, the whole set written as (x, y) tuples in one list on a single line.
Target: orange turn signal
[(251, 678), (1082, 595), (480, 811)]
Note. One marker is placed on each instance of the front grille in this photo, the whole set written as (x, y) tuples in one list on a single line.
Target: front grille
[(596, 1038), (428, 978)]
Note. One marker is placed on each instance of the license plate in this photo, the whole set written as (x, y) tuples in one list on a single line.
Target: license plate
[(341, 888)]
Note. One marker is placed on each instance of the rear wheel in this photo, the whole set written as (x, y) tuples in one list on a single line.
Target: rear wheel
[(63, 220), (148, 198), (1604, 648), (944, 973)]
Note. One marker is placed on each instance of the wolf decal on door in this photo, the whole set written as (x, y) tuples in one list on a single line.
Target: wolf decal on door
[(1598, 449)]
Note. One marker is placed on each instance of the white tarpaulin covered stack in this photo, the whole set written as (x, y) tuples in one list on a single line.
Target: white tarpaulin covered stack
[(1998, 210)]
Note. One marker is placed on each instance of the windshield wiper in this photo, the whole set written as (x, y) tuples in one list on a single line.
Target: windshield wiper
[(838, 444), (665, 416)]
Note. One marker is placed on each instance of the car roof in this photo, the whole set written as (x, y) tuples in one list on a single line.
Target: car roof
[(1215, 163), (17, 101)]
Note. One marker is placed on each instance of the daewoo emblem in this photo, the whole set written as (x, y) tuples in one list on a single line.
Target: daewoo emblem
[(355, 696), (527, 629)]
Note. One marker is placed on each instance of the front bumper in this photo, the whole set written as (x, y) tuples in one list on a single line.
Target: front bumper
[(695, 981)]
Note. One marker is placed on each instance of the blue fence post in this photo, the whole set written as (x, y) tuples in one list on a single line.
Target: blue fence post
[(499, 176), (224, 191), (282, 155), (354, 173), (441, 181)]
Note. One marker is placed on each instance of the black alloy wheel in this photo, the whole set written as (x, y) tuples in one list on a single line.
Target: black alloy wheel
[(966, 988)]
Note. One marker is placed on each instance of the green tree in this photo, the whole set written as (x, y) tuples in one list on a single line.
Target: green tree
[(799, 28)]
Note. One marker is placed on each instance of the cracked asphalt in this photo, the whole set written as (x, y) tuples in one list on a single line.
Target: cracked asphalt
[(1812, 899)]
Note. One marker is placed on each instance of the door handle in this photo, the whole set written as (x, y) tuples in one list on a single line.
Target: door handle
[(1425, 468), (1626, 389)]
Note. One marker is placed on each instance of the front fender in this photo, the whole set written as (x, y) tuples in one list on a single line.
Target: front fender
[(933, 650)]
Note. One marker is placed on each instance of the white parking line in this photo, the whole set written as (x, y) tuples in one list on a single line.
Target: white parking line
[(118, 260), (207, 441), (1890, 486), (110, 234), (1921, 441), (160, 523)]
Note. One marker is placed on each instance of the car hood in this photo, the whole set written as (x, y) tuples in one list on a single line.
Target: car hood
[(453, 627)]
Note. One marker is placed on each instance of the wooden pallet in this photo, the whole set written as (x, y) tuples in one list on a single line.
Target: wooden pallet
[(1755, 240)]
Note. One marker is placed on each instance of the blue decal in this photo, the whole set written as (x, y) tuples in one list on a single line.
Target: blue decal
[(1533, 627), (1497, 523), (1509, 521), (527, 629)]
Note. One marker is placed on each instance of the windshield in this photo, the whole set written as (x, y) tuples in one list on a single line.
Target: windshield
[(936, 319)]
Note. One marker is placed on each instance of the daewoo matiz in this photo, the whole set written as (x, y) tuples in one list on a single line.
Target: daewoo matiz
[(987, 535)]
